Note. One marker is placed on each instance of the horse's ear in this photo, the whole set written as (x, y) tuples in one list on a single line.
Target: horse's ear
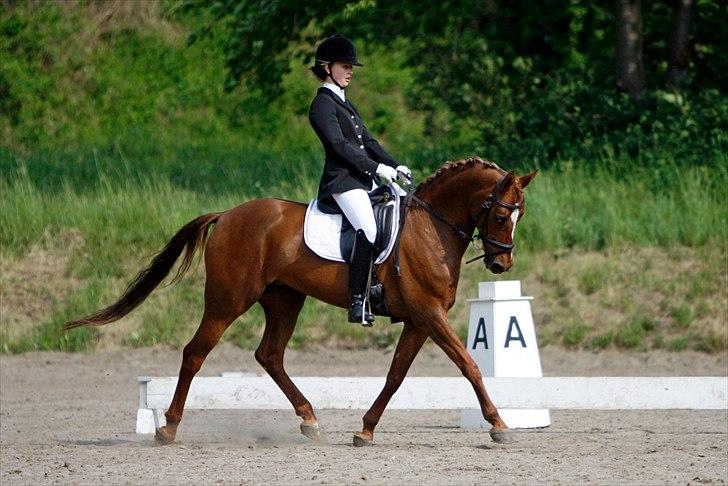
[(526, 180), (506, 182)]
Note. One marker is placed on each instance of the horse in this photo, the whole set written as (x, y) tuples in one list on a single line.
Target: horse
[(256, 253)]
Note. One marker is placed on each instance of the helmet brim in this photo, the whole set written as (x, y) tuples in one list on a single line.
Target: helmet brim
[(344, 61)]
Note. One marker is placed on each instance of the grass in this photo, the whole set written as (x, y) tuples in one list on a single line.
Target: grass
[(601, 341), (574, 335), (631, 309), (623, 286), (116, 203), (682, 316), (631, 335)]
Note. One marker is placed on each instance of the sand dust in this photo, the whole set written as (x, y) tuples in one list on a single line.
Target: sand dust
[(70, 418)]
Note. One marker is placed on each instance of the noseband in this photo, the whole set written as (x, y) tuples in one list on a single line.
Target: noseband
[(484, 211)]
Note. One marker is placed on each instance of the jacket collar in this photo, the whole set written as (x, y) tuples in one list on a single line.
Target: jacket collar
[(337, 90), (345, 104)]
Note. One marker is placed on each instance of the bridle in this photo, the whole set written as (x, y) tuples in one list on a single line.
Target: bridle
[(484, 211), (485, 208)]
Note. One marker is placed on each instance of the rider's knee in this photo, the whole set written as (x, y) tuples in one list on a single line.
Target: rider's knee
[(370, 231)]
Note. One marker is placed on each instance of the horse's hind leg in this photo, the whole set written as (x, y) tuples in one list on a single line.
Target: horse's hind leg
[(226, 298), (282, 306), (194, 354)]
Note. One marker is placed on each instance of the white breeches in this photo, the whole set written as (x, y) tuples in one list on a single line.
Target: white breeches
[(357, 208)]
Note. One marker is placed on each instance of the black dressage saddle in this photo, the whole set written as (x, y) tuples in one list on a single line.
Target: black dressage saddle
[(383, 216)]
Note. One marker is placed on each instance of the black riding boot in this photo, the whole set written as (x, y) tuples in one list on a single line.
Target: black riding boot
[(359, 269)]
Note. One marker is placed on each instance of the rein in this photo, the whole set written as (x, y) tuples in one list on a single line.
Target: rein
[(462, 234)]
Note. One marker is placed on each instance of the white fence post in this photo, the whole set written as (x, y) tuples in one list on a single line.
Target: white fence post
[(145, 416)]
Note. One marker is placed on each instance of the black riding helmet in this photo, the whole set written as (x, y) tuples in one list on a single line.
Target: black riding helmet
[(337, 49), (334, 49)]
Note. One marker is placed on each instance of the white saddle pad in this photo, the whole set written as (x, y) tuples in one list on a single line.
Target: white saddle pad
[(322, 231)]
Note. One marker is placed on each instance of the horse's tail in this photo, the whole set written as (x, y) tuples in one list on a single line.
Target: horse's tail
[(189, 238)]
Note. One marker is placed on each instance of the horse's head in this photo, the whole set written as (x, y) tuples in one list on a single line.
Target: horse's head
[(496, 219)]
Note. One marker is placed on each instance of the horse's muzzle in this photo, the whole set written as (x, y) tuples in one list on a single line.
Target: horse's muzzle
[(497, 268)]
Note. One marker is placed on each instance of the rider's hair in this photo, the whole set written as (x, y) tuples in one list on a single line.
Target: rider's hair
[(319, 71)]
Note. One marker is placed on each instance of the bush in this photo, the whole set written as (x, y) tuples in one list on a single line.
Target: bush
[(578, 117)]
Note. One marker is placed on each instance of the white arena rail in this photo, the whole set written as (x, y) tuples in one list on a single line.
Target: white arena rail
[(420, 393)]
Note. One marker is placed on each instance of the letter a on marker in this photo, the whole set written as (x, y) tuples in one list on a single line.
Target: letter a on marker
[(509, 337), (480, 334)]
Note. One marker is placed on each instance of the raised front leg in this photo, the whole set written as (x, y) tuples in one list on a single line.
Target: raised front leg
[(409, 344), (444, 336)]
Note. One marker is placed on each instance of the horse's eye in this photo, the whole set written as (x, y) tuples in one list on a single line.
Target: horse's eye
[(500, 219)]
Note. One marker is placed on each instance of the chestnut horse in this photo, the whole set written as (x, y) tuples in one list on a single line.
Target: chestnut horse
[(256, 253)]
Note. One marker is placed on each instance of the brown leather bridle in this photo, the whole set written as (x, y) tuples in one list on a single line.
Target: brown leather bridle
[(502, 247), (485, 208)]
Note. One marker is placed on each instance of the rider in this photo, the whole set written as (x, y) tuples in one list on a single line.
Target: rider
[(355, 162)]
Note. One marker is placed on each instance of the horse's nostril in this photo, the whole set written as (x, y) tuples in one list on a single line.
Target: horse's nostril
[(496, 268)]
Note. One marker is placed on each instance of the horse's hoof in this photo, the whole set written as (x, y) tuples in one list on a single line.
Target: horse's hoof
[(361, 441), (312, 431), (502, 436), (163, 437)]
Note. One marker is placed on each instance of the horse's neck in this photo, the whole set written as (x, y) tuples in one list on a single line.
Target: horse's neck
[(452, 196)]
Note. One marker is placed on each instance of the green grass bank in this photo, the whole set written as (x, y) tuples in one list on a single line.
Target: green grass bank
[(629, 259)]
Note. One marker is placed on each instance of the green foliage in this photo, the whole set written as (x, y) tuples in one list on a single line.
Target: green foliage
[(49, 336), (678, 343), (593, 278), (600, 208), (576, 116), (528, 82), (631, 335), (602, 341), (682, 316), (574, 335), (647, 323)]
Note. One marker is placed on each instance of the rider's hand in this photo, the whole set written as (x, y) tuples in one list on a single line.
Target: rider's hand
[(387, 173), (406, 174)]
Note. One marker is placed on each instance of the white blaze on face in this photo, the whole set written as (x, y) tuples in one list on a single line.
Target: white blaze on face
[(514, 220)]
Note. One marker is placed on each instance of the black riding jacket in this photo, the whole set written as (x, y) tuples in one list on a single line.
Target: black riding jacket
[(352, 155)]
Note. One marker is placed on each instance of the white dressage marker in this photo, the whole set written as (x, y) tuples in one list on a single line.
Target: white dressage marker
[(502, 342), (358, 393)]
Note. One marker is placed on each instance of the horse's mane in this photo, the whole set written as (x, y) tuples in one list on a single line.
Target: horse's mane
[(451, 168)]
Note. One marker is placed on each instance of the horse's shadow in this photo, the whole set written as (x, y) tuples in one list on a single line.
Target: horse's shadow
[(99, 442)]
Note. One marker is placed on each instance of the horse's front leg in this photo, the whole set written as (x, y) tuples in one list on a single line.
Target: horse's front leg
[(444, 336), (409, 344)]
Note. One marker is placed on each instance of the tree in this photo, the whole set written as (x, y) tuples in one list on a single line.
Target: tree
[(679, 45), (630, 74), (534, 78)]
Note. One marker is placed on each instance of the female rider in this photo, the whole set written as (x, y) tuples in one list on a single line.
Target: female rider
[(355, 162)]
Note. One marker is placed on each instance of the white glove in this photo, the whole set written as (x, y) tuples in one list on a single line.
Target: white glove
[(406, 174), (387, 173)]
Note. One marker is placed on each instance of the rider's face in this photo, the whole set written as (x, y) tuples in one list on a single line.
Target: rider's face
[(341, 72)]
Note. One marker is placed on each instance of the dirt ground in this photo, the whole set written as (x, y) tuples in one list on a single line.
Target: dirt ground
[(70, 418)]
